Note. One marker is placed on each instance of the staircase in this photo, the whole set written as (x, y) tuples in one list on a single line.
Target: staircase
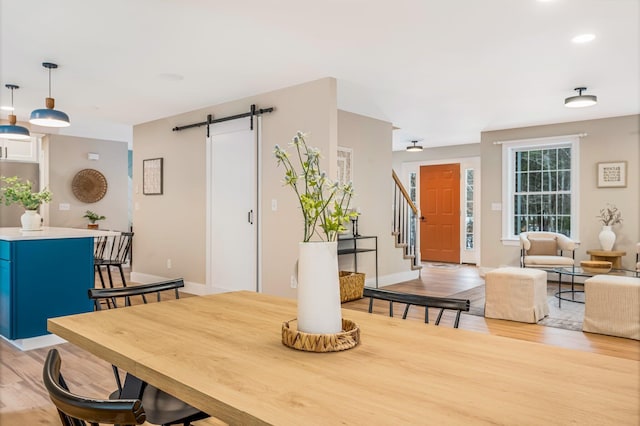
[(405, 223)]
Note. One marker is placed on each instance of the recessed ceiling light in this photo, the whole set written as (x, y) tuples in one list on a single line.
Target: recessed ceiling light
[(583, 38)]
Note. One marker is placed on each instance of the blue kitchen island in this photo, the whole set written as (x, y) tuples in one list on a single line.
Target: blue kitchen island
[(43, 274)]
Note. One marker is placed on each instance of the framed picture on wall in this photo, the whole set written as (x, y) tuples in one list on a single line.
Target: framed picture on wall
[(152, 176), (345, 165), (612, 175)]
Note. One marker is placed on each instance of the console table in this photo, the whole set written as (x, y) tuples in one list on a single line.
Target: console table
[(354, 248), (613, 256)]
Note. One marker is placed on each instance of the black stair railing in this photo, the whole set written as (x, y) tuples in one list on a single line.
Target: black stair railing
[(405, 215)]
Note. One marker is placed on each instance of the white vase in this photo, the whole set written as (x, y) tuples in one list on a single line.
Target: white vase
[(31, 220), (607, 238), (319, 310)]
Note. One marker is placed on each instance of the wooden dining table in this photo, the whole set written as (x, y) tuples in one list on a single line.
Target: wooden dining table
[(223, 354)]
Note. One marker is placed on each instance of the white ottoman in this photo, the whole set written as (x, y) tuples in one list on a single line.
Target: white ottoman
[(612, 306), (516, 294)]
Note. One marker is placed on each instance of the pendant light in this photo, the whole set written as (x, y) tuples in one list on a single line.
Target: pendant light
[(49, 117), (414, 147), (11, 131), (580, 100)]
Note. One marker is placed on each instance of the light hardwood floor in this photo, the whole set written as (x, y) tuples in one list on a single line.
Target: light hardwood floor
[(23, 400)]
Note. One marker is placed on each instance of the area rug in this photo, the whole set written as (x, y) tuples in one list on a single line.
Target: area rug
[(441, 265), (569, 316)]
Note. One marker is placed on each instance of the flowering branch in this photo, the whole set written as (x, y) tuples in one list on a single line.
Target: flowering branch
[(610, 215), (324, 204)]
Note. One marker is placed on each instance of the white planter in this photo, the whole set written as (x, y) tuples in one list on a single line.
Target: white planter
[(319, 310), (607, 238), (31, 220)]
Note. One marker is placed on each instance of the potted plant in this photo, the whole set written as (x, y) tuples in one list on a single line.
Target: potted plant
[(93, 218), (325, 210), (17, 191), (608, 216)]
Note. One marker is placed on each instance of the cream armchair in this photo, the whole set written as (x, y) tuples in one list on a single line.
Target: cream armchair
[(546, 250)]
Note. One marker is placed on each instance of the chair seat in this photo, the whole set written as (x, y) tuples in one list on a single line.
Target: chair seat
[(548, 261), (162, 408)]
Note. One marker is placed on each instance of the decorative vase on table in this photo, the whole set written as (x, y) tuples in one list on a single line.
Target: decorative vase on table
[(325, 209), (31, 221), (319, 310), (607, 238)]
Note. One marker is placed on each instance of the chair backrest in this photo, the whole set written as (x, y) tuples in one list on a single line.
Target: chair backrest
[(441, 303), (114, 249), (121, 296), (543, 249), (75, 410)]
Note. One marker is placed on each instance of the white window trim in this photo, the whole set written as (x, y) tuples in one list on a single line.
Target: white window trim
[(508, 148)]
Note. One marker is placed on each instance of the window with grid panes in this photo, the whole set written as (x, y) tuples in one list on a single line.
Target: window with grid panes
[(468, 216), (542, 195), (541, 187)]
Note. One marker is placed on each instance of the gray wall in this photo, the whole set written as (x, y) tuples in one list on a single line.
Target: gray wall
[(10, 215), (437, 153), (608, 139), (370, 140), (67, 156)]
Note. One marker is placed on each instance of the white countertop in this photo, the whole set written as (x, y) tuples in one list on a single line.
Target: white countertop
[(48, 233)]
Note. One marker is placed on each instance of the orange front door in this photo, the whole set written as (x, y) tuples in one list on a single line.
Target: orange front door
[(440, 209)]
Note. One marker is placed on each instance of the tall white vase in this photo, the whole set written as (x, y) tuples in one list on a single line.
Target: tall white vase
[(607, 238), (31, 220), (319, 310)]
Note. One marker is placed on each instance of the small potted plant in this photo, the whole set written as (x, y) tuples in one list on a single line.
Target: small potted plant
[(93, 218), (17, 191)]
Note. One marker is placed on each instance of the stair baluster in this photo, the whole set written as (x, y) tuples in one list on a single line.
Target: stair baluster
[(405, 222)]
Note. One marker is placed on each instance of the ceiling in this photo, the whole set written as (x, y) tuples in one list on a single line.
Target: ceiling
[(440, 71)]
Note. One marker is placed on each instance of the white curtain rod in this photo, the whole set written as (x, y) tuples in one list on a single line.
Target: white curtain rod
[(580, 135)]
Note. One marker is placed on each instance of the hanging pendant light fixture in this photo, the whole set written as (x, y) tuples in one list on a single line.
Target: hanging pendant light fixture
[(414, 147), (11, 131), (580, 100), (49, 117)]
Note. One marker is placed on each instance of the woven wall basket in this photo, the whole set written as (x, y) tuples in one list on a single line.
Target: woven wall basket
[(89, 185)]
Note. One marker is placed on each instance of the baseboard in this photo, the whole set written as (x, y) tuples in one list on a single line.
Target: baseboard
[(36, 342)]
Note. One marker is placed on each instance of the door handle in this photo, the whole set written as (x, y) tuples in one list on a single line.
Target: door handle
[(422, 218), (250, 217)]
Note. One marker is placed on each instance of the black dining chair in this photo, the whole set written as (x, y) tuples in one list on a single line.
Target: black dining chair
[(441, 303), (112, 251), (76, 410), (161, 407)]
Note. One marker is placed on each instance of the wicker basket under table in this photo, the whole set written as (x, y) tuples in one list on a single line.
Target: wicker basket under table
[(351, 286)]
